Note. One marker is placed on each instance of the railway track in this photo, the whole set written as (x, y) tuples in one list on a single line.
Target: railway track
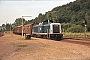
[(81, 41)]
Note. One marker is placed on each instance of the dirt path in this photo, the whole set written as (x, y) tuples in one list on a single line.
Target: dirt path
[(13, 48)]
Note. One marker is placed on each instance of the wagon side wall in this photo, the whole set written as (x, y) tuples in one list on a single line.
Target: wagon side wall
[(28, 29)]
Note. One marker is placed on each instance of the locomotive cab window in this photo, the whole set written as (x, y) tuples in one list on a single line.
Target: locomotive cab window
[(56, 29)]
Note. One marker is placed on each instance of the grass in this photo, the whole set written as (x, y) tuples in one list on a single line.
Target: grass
[(76, 34), (22, 45)]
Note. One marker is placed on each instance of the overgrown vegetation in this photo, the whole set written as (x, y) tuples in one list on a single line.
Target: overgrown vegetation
[(22, 45), (77, 34), (72, 16)]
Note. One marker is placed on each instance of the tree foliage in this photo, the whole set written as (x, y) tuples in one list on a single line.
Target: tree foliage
[(73, 13), (76, 29), (18, 21), (71, 16)]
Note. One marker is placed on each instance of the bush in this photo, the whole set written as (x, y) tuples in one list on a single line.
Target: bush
[(76, 29)]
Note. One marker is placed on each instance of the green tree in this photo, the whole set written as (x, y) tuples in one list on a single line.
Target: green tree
[(48, 15), (3, 27), (87, 19), (7, 27), (76, 29), (40, 17), (0, 28), (75, 7), (18, 22)]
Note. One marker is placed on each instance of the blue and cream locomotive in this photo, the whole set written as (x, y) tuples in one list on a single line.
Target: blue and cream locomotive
[(48, 29)]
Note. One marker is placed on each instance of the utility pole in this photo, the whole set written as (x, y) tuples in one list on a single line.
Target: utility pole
[(85, 30), (23, 23), (10, 28), (22, 26)]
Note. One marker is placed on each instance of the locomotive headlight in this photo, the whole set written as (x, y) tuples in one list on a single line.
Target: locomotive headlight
[(40, 28)]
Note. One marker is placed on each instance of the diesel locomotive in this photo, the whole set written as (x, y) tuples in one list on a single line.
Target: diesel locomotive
[(48, 29)]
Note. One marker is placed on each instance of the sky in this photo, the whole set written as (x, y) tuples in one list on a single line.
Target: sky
[(10, 10)]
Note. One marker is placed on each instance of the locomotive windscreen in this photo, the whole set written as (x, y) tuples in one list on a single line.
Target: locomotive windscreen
[(56, 29)]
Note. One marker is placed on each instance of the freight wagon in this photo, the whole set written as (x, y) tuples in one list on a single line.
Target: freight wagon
[(17, 30), (27, 30)]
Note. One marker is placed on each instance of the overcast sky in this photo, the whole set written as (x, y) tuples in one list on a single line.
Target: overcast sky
[(10, 10)]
